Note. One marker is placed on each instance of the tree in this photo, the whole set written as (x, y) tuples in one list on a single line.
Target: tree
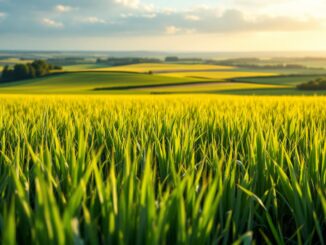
[(21, 71), (7, 73), (171, 59), (30, 70), (41, 67)]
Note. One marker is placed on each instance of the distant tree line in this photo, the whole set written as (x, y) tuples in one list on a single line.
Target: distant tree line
[(251, 64), (317, 84), (182, 60), (126, 61), (70, 61), (38, 68)]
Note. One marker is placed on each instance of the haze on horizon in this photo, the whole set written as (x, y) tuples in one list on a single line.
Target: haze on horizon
[(181, 25)]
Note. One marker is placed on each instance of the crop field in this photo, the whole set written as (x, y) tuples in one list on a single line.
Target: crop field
[(87, 82), (12, 61), (145, 68), (286, 80), (96, 82), (221, 75), (209, 87), (174, 169), (81, 67), (165, 78)]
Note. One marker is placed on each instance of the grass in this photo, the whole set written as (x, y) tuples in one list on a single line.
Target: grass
[(81, 67), (221, 75), (134, 83), (14, 61), (285, 72), (286, 80), (145, 68), (169, 78), (208, 88), (86, 82), (162, 170)]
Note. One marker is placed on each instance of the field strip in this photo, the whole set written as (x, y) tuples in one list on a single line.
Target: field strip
[(145, 68), (159, 85), (192, 85), (188, 71), (204, 85)]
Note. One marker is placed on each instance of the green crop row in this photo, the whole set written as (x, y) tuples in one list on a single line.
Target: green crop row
[(162, 170)]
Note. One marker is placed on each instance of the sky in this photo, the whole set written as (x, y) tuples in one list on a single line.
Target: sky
[(163, 25)]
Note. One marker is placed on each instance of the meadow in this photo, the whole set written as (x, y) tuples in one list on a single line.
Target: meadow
[(165, 78), (87, 82), (165, 67), (172, 169), (277, 80)]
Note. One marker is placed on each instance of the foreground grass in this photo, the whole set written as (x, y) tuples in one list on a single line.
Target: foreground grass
[(162, 170)]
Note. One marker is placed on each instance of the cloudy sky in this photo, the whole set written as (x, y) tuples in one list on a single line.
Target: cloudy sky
[(163, 25)]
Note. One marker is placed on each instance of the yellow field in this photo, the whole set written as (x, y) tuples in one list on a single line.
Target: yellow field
[(164, 68), (209, 87), (14, 61), (221, 75), (81, 67), (185, 169)]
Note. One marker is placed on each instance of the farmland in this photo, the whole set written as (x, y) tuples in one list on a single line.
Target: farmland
[(221, 75), (145, 68), (197, 170), (162, 154), (85, 82), (164, 78), (152, 122), (286, 80)]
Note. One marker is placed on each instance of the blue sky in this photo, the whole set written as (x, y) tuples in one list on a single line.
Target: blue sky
[(179, 25)]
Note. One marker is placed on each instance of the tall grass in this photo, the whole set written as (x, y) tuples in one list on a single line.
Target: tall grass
[(162, 170)]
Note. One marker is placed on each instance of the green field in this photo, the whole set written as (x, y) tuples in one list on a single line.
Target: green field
[(210, 88), (82, 67), (221, 75), (86, 82), (117, 82), (167, 78), (145, 68), (12, 61), (179, 169), (88, 156), (286, 80)]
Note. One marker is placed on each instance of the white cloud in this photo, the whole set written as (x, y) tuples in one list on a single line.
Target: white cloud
[(63, 8), (172, 30), (94, 20), (167, 11), (125, 16), (148, 8), (128, 3), (2, 15), (192, 17), (149, 16), (52, 23)]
